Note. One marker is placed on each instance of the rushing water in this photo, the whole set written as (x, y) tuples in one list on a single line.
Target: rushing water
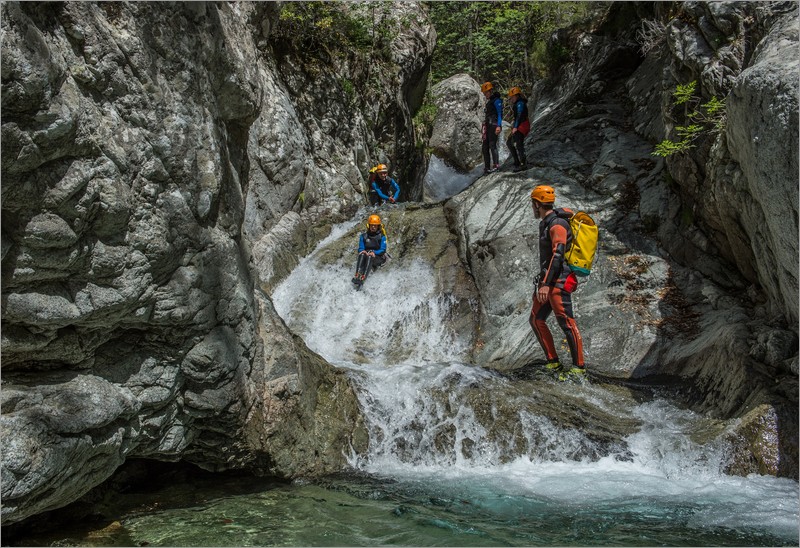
[(438, 472), (441, 181), (665, 488)]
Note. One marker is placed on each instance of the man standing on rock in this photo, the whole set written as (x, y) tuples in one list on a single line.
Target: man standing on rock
[(492, 125), (554, 284), (519, 129)]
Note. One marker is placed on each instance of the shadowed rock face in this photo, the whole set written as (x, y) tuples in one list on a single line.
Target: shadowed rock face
[(147, 149)]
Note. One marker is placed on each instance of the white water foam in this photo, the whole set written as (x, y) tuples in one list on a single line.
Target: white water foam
[(395, 318), (442, 181), (664, 474), (413, 387)]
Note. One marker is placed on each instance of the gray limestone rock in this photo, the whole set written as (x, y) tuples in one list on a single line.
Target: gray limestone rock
[(762, 113), (147, 152), (665, 297), (456, 135)]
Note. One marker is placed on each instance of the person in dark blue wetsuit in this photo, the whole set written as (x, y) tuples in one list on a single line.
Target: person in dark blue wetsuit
[(519, 129), (371, 250), (383, 188), (492, 126)]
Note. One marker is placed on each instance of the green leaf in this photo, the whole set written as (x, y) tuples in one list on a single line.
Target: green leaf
[(684, 92)]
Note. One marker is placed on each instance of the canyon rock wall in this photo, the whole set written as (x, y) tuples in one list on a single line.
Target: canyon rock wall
[(148, 149)]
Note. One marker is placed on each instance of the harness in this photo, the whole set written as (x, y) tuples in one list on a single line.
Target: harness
[(372, 242), (546, 247), (490, 110)]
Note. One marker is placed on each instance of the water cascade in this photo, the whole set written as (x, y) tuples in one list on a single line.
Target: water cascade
[(441, 181), (444, 426)]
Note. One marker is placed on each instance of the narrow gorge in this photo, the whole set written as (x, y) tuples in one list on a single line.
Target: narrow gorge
[(183, 184)]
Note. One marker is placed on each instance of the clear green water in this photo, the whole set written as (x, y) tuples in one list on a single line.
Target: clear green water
[(362, 510)]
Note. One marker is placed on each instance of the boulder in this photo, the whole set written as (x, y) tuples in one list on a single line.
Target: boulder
[(664, 299), (456, 134)]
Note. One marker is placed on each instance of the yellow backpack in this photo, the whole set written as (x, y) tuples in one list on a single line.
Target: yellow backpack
[(581, 253)]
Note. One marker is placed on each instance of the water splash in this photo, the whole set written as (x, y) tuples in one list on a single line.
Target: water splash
[(446, 426), (396, 318), (441, 181)]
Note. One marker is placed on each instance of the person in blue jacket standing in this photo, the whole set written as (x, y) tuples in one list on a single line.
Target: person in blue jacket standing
[(383, 188), (519, 129), (492, 126), (371, 250)]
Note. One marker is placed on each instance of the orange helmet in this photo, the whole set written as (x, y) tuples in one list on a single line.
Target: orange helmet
[(374, 220), (487, 86), (514, 91), (543, 194), (382, 169)]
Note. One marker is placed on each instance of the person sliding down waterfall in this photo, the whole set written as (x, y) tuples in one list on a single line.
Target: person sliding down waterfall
[(371, 250), (554, 284)]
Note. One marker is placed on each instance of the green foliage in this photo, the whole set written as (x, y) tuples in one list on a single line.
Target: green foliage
[(684, 92), (425, 115), (423, 120), (556, 55), (706, 118), (504, 42), (312, 26), (349, 89)]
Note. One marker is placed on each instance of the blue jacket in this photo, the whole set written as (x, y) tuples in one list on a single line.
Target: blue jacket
[(384, 194), (493, 110), (521, 115), (376, 243)]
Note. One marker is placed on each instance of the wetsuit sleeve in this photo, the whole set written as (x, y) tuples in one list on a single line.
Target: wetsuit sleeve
[(558, 237), (518, 116), (498, 103), (361, 246), (382, 249), (396, 188), (378, 190)]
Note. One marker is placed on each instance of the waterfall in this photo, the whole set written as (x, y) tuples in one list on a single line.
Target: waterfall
[(395, 319), (441, 181), (437, 421)]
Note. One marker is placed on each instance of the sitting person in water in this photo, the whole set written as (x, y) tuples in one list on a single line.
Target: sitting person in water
[(371, 249), (382, 187)]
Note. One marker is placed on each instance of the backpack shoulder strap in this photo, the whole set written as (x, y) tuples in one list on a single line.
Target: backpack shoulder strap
[(564, 212)]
